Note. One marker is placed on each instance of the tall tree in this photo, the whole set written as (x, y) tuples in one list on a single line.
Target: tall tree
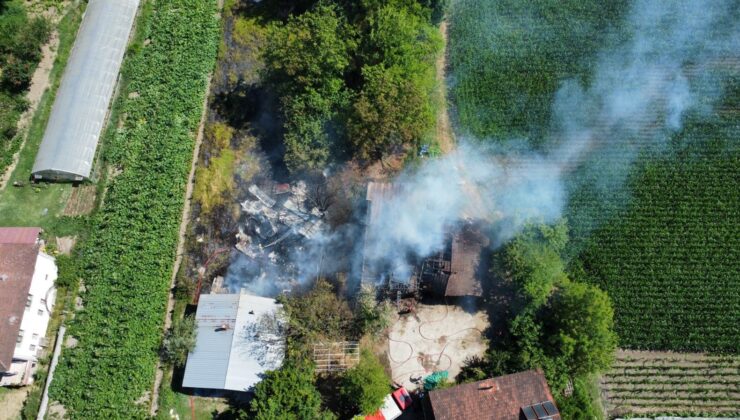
[(583, 319), (364, 386), (394, 105), (286, 394), (306, 60)]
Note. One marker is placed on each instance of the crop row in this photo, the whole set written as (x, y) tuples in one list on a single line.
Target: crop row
[(659, 383), (127, 261)]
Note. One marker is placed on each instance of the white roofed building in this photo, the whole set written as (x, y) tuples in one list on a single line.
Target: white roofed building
[(239, 337), (80, 109)]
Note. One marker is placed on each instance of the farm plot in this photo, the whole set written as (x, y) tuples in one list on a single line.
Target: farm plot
[(653, 383)]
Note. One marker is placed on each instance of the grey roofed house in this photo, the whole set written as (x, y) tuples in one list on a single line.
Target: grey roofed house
[(239, 338), (79, 112)]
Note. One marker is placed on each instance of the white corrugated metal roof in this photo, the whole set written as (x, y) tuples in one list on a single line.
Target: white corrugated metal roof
[(81, 105), (235, 357)]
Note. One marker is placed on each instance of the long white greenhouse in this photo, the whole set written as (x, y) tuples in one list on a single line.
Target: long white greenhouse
[(80, 109)]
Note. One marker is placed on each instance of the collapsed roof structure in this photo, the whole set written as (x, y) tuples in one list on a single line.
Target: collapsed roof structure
[(452, 271), (240, 337), (270, 221), (79, 112)]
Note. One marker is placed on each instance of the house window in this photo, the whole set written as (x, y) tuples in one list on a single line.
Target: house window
[(32, 347), (40, 311), (28, 301), (20, 337), (35, 336), (43, 301)]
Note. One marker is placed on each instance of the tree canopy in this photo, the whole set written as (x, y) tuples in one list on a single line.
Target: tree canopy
[(316, 315), (559, 325), (364, 386), (583, 317), (287, 394), (354, 79)]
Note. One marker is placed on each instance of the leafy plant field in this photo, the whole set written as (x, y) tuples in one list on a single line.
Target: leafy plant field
[(508, 57), (670, 259), (127, 263), (688, 384), (665, 244)]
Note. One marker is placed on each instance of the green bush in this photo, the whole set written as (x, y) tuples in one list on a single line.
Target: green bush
[(364, 386), (287, 394), (180, 340)]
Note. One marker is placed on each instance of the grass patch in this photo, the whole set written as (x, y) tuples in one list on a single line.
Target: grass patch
[(212, 182)]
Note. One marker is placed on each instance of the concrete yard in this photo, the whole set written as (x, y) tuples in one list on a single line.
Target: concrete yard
[(433, 338)]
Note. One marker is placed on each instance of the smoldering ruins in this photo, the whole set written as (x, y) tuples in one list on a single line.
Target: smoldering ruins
[(436, 216)]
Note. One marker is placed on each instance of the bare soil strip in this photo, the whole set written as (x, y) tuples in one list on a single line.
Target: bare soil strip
[(445, 136)]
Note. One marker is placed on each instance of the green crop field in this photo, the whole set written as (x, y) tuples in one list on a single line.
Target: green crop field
[(665, 244), (126, 265), (507, 58)]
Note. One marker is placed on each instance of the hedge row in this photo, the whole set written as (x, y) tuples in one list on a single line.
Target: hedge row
[(128, 258)]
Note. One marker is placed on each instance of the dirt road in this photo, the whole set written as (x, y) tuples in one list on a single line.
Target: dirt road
[(445, 135)]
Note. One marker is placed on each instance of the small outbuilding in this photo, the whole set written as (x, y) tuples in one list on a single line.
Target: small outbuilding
[(80, 109), (239, 338)]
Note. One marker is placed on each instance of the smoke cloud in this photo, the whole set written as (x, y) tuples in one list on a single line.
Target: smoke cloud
[(639, 94)]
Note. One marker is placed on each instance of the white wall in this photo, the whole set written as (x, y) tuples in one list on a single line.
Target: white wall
[(36, 316)]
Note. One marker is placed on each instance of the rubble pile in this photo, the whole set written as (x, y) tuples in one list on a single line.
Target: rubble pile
[(268, 221)]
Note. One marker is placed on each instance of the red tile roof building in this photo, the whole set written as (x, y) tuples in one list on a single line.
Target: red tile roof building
[(509, 397), (26, 294)]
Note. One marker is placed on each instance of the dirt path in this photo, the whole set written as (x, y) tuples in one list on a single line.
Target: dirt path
[(445, 136), (39, 84)]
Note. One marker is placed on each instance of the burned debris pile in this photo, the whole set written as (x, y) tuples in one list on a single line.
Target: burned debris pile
[(269, 221), (273, 227)]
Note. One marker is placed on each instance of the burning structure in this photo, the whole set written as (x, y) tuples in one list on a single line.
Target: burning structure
[(451, 271)]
